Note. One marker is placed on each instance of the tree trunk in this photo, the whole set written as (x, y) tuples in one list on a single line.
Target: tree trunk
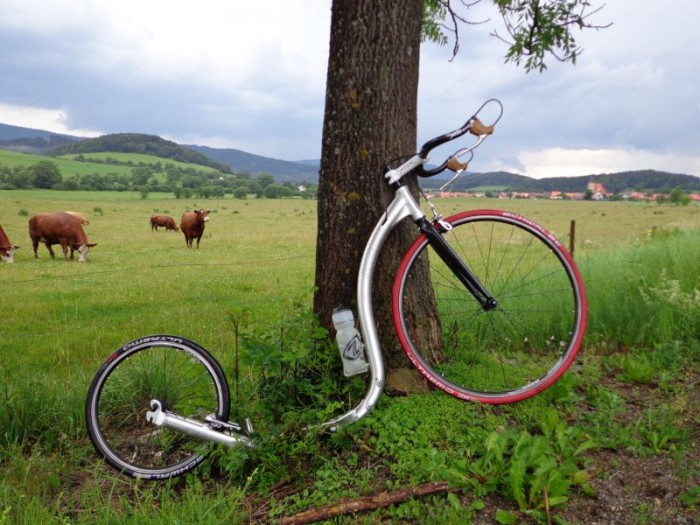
[(370, 118)]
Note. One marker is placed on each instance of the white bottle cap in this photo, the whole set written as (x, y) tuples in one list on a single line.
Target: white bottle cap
[(342, 316)]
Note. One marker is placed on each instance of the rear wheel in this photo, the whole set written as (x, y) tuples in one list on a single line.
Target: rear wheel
[(186, 380), (500, 355)]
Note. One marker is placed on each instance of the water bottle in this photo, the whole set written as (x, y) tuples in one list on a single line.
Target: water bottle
[(349, 342)]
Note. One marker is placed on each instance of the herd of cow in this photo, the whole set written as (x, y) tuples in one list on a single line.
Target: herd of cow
[(66, 228)]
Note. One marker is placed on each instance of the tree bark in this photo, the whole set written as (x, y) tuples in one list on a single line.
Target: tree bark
[(370, 118)]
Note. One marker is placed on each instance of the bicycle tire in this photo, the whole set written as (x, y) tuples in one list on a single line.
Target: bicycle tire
[(183, 376), (513, 351)]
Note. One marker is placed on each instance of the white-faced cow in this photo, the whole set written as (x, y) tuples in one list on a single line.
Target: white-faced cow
[(192, 225), (83, 219), (163, 221), (7, 249), (59, 228)]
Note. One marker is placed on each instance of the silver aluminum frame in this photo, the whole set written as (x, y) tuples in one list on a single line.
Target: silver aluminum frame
[(404, 205)]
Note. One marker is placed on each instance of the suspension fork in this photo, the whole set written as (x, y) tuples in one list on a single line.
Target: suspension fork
[(434, 231)]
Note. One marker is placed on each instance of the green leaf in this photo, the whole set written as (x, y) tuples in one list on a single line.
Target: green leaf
[(505, 517), (454, 500)]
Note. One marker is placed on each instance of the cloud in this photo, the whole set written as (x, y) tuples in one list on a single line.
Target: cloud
[(44, 119), (234, 72), (253, 76), (561, 162)]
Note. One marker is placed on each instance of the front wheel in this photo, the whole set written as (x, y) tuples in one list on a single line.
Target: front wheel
[(186, 380), (492, 355)]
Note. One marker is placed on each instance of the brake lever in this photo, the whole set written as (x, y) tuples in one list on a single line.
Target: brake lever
[(500, 111), (457, 167), (479, 129)]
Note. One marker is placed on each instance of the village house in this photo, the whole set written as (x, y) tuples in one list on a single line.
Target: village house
[(598, 191)]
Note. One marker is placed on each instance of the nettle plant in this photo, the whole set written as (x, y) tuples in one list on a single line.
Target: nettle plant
[(535, 471)]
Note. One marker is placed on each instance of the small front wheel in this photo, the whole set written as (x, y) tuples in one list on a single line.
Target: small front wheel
[(182, 376), (500, 354)]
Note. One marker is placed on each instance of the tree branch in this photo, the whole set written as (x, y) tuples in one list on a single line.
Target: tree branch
[(383, 499), (534, 28)]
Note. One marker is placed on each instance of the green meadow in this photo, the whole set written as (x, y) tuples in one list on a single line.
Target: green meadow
[(69, 167), (631, 391)]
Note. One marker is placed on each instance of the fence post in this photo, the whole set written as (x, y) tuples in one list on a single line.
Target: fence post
[(572, 237)]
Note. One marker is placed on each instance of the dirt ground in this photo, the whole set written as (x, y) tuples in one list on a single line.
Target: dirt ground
[(635, 490)]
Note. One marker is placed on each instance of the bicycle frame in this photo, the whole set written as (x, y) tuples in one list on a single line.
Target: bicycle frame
[(448, 244), (403, 205)]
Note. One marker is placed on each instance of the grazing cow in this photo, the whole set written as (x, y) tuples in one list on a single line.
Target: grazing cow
[(80, 216), (59, 228), (192, 225), (165, 221), (7, 249)]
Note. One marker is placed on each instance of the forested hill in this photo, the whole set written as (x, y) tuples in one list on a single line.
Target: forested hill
[(30, 140), (283, 170), (139, 143), (643, 180)]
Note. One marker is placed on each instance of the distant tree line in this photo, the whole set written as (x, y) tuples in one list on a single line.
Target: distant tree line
[(182, 182), (643, 181)]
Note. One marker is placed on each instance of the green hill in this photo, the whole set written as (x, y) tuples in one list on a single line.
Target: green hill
[(100, 163), (138, 143), (283, 170)]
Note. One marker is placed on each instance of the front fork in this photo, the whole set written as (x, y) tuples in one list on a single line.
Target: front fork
[(213, 430), (434, 232)]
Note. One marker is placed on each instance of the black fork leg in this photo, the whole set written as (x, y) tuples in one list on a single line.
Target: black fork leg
[(456, 264)]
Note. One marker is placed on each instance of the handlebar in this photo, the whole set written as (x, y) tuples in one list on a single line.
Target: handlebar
[(474, 126)]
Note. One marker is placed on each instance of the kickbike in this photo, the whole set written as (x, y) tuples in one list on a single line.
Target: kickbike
[(507, 317)]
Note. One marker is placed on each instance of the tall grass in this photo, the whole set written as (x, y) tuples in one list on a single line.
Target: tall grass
[(645, 294)]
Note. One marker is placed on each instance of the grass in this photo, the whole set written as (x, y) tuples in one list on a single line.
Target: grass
[(630, 390)]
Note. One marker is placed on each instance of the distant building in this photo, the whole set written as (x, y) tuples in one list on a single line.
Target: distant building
[(598, 191)]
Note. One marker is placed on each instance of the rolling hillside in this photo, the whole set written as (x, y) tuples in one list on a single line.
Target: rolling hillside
[(283, 170), (138, 143), (232, 160), (28, 140)]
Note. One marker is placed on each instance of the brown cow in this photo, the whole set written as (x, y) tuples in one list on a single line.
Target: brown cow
[(165, 221), (7, 249), (59, 228), (83, 219), (192, 225)]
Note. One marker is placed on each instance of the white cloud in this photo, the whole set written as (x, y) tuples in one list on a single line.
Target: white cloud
[(560, 162), (41, 118)]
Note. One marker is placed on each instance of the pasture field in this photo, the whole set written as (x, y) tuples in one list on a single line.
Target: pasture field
[(59, 320), (138, 158), (255, 254), (70, 167)]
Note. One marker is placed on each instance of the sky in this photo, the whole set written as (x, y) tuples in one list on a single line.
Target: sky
[(251, 76)]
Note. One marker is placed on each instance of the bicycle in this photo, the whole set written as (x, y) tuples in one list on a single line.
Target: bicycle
[(508, 317)]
